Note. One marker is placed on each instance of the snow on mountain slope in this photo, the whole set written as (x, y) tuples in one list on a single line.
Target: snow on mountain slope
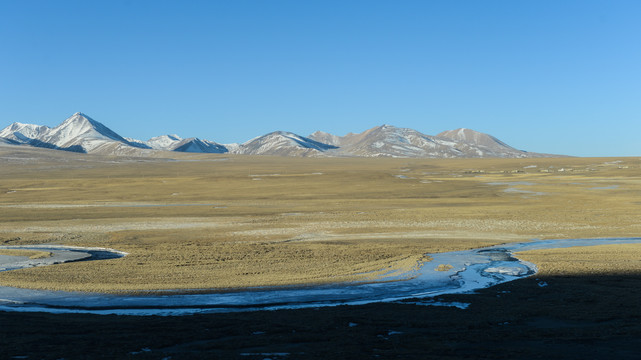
[(284, 144), (325, 138), (23, 133), (387, 140), (81, 130), (176, 143), (473, 142), (164, 142), (390, 141), (81, 133), (136, 141), (472, 137), (195, 145), (233, 148), (78, 133)]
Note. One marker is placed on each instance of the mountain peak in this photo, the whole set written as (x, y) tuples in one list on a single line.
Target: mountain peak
[(23, 133), (197, 145), (164, 142), (79, 119), (326, 138), (284, 143), (476, 138), (81, 130), (464, 134)]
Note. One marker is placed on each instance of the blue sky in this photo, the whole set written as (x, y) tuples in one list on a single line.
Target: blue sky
[(547, 76)]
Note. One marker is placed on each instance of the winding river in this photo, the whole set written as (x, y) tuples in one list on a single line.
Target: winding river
[(470, 270)]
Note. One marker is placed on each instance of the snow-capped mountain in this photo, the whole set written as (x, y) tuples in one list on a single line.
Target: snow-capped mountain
[(284, 144), (80, 133), (390, 141), (196, 145), (136, 141), (84, 132), (326, 138), (176, 143), (480, 144), (23, 133), (164, 142)]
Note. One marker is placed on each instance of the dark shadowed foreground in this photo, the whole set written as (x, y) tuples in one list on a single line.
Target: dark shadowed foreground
[(560, 317)]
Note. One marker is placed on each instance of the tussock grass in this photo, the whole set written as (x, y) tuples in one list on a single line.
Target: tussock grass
[(203, 222), (444, 267)]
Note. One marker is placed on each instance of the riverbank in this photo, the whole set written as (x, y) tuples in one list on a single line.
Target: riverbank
[(443, 273), (573, 317)]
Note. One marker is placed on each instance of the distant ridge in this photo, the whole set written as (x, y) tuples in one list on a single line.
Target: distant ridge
[(176, 143), (196, 145), (81, 133), (283, 143)]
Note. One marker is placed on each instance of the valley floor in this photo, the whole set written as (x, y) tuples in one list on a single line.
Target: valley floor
[(223, 222)]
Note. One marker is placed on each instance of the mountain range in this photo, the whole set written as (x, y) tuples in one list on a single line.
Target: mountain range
[(80, 133)]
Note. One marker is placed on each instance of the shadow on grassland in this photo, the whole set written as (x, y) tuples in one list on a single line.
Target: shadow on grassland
[(566, 318)]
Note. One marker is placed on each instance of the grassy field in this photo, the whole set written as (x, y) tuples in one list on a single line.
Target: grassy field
[(213, 222), (602, 260), (31, 254)]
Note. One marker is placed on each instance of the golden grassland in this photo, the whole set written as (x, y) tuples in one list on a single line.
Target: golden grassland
[(31, 254), (594, 260), (215, 222)]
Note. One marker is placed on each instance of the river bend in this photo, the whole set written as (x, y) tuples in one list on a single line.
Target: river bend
[(470, 270)]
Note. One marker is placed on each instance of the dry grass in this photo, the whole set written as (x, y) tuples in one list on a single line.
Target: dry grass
[(444, 267), (237, 221), (31, 254), (592, 260)]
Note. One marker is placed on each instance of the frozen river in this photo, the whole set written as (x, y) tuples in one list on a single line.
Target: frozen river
[(465, 271)]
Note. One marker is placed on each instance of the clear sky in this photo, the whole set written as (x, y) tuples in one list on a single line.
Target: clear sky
[(546, 76)]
